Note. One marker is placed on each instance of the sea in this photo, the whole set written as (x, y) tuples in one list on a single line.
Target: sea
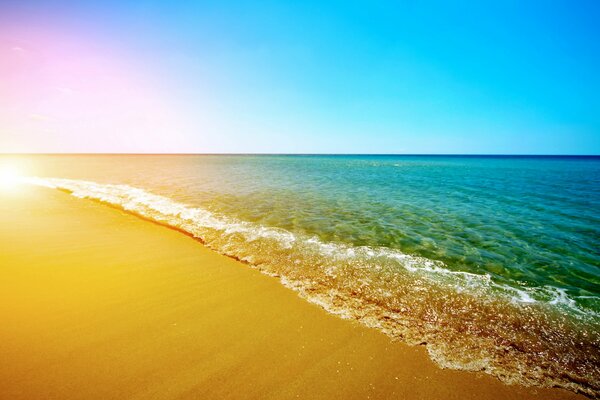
[(490, 262)]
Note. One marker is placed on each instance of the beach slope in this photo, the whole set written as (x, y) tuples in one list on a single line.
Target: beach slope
[(99, 304)]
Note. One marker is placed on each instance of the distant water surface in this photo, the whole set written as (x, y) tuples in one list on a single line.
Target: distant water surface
[(492, 261)]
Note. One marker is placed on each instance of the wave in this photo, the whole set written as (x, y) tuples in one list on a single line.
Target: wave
[(529, 335)]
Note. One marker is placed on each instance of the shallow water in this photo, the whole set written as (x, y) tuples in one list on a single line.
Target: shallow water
[(493, 262)]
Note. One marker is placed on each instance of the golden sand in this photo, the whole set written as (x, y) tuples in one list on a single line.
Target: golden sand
[(99, 304)]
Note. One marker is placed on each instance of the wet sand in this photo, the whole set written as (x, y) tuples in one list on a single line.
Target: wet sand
[(99, 304)]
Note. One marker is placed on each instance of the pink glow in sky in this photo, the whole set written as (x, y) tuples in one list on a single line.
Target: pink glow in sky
[(62, 92)]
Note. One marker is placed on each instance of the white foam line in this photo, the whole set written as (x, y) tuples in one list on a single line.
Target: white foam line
[(193, 219)]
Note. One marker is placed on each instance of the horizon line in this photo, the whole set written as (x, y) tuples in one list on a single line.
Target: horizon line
[(294, 154)]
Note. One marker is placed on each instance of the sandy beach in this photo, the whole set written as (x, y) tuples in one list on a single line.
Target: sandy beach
[(99, 304)]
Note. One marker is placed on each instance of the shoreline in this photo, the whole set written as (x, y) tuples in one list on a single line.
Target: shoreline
[(101, 304)]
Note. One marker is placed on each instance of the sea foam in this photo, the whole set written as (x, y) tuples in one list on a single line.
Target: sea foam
[(529, 335)]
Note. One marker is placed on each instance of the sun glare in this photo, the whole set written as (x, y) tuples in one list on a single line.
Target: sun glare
[(10, 176)]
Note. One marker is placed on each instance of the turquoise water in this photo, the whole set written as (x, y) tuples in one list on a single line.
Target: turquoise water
[(525, 221), (493, 262)]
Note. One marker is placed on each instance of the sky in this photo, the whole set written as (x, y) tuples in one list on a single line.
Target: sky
[(427, 77)]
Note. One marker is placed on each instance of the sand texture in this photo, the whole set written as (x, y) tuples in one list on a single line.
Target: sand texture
[(99, 304)]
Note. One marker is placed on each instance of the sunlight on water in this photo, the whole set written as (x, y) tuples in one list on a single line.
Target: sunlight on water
[(12, 174)]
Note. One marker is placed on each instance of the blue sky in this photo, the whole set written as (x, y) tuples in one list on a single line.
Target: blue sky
[(343, 77)]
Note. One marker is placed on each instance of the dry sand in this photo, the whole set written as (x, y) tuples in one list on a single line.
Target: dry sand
[(99, 304)]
